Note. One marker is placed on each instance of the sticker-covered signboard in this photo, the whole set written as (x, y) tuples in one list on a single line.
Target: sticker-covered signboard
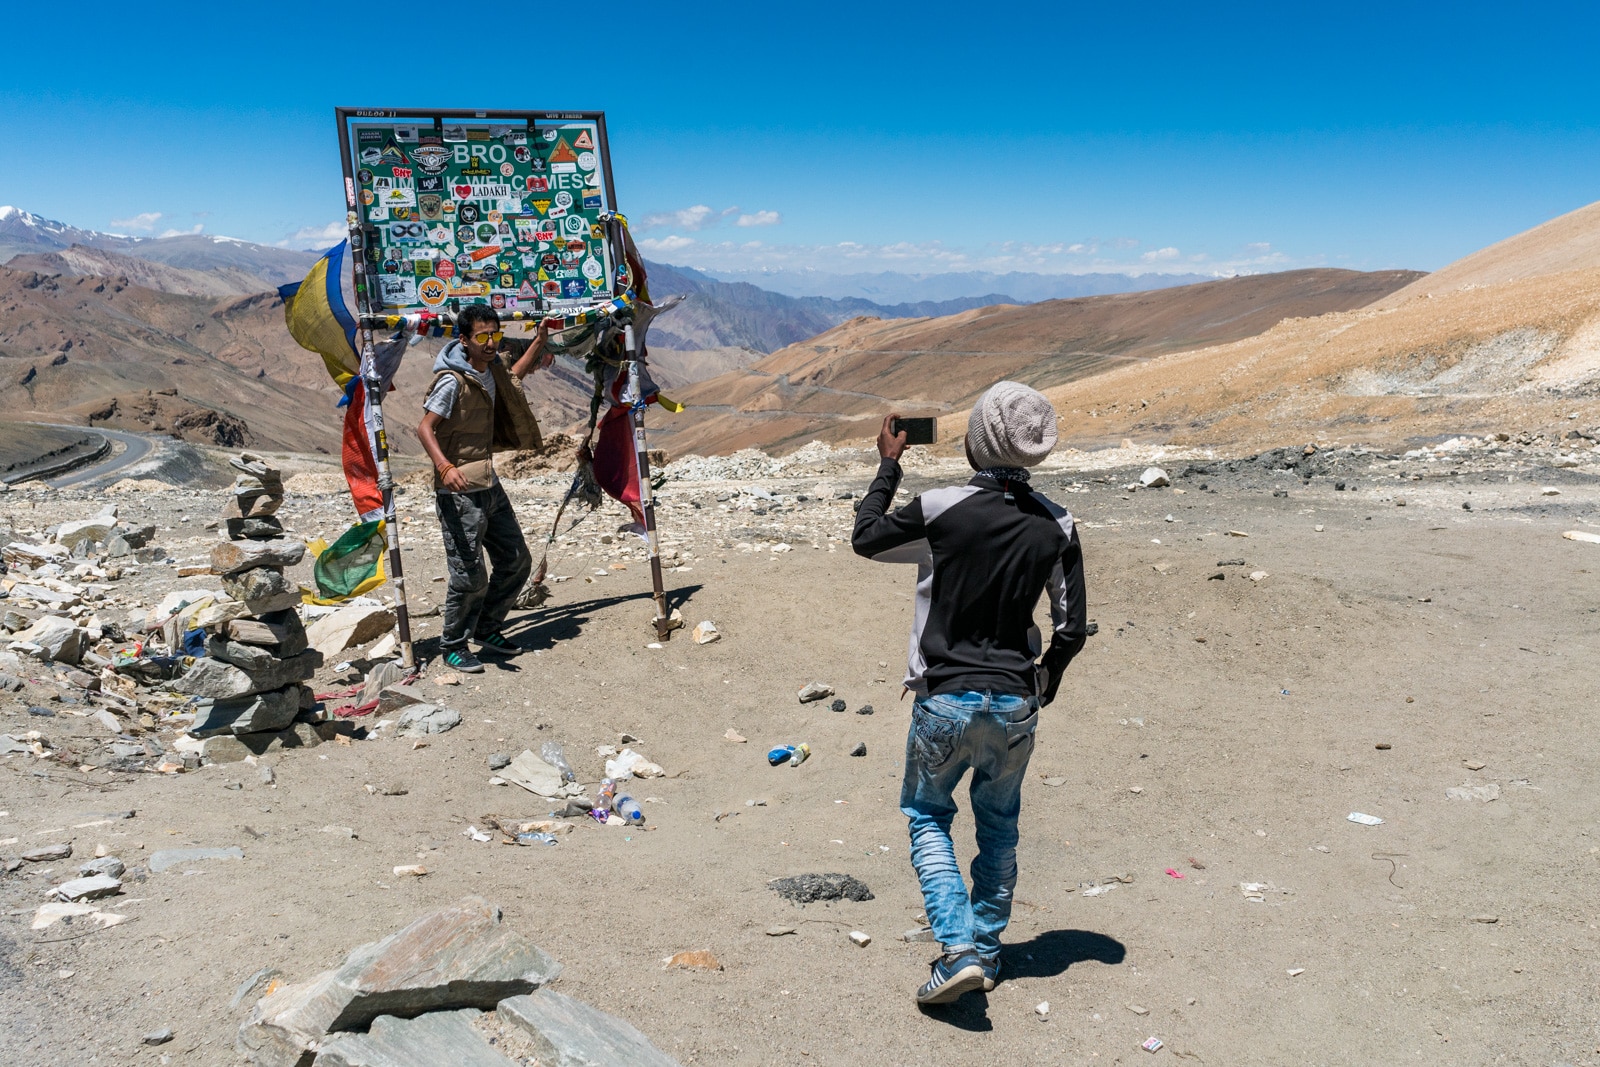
[(498, 208)]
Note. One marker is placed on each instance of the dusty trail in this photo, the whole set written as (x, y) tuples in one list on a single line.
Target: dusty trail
[(1219, 728)]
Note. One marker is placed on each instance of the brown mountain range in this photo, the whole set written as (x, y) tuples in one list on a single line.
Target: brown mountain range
[(837, 385)]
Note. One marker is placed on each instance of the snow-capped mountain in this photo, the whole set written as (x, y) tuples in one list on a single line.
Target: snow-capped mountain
[(24, 233)]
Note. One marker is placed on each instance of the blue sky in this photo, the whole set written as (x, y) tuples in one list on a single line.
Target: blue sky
[(845, 138)]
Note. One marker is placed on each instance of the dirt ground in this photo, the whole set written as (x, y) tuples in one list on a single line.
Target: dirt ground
[(1217, 730)]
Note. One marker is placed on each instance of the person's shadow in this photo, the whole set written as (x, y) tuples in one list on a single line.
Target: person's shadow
[(1045, 956), (541, 628)]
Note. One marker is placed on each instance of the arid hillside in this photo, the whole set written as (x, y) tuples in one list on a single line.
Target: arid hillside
[(1567, 242), (837, 385), (104, 350), (1504, 340)]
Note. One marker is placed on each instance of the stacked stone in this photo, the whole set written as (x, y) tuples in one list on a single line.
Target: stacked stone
[(257, 654)]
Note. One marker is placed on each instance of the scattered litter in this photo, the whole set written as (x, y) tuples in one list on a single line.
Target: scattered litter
[(476, 834), (1582, 535), (1175, 873), (1364, 820), (1138, 1009), (416, 870), (793, 755), (158, 1037), (860, 938), (1237, 533), (1054, 780), (735, 736), (706, 632), (1151, 1044), (1042, 1008), (629, 764), (1256, 576), (1485, 793), (1487, 919), (1294, 971)]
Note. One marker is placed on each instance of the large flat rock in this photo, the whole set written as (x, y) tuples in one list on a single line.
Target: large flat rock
[(459, 957), (223, 681), (231, 557), (569, 1033), (348, 628), (261, 712), (440, 1039)]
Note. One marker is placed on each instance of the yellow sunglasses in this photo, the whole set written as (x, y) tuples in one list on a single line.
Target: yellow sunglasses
[(483, 337)]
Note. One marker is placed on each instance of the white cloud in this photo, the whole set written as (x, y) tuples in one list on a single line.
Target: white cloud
[(184, 233), (698, 217), (670, 243), (145, 221), (316, 238), (760, 218), (1089, 255)]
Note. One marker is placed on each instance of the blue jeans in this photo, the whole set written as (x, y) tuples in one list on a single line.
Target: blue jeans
[(992, 733)]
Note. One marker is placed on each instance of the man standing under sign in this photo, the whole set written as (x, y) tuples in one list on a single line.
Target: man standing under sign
[(474, 409)]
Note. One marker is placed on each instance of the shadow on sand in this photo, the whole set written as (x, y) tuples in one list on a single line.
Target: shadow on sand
[(541, 629), (1046, 956)]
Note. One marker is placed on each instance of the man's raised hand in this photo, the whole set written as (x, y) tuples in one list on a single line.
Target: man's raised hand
[(891, 445)]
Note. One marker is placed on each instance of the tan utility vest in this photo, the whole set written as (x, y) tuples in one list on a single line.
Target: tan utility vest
[(478, 428)]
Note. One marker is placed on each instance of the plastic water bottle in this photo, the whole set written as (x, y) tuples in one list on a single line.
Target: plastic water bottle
[(608, 790), (552, 753), (535, 837), (628, 808), (802, 752)]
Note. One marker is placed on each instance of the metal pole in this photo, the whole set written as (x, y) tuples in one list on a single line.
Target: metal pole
[(664, 622), (373, 384)]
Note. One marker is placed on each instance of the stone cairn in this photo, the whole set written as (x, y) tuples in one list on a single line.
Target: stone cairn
[(257, 652)]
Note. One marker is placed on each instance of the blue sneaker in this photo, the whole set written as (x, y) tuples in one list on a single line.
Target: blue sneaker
[(991, 971), (952, 976)]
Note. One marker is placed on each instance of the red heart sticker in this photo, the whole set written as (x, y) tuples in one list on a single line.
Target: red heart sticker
[(463, 192)]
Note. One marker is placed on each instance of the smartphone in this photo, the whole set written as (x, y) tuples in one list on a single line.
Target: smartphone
[(918, 431)]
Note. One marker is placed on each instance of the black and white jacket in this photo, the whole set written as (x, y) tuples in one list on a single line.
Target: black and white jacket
[(985, 551)]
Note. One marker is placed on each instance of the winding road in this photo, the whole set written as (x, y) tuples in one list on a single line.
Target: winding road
[(135, 448)]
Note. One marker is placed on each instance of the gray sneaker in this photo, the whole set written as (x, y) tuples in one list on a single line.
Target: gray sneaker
[(464, 661), (952, 976)]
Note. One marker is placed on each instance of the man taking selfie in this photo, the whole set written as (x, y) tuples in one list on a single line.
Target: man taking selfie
[(474, 409), (985, 552)]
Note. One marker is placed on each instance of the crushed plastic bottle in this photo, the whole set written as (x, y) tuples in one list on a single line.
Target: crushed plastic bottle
[(552, 753), (602, 803), (535, 837), (793, 755), (628, 808)]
